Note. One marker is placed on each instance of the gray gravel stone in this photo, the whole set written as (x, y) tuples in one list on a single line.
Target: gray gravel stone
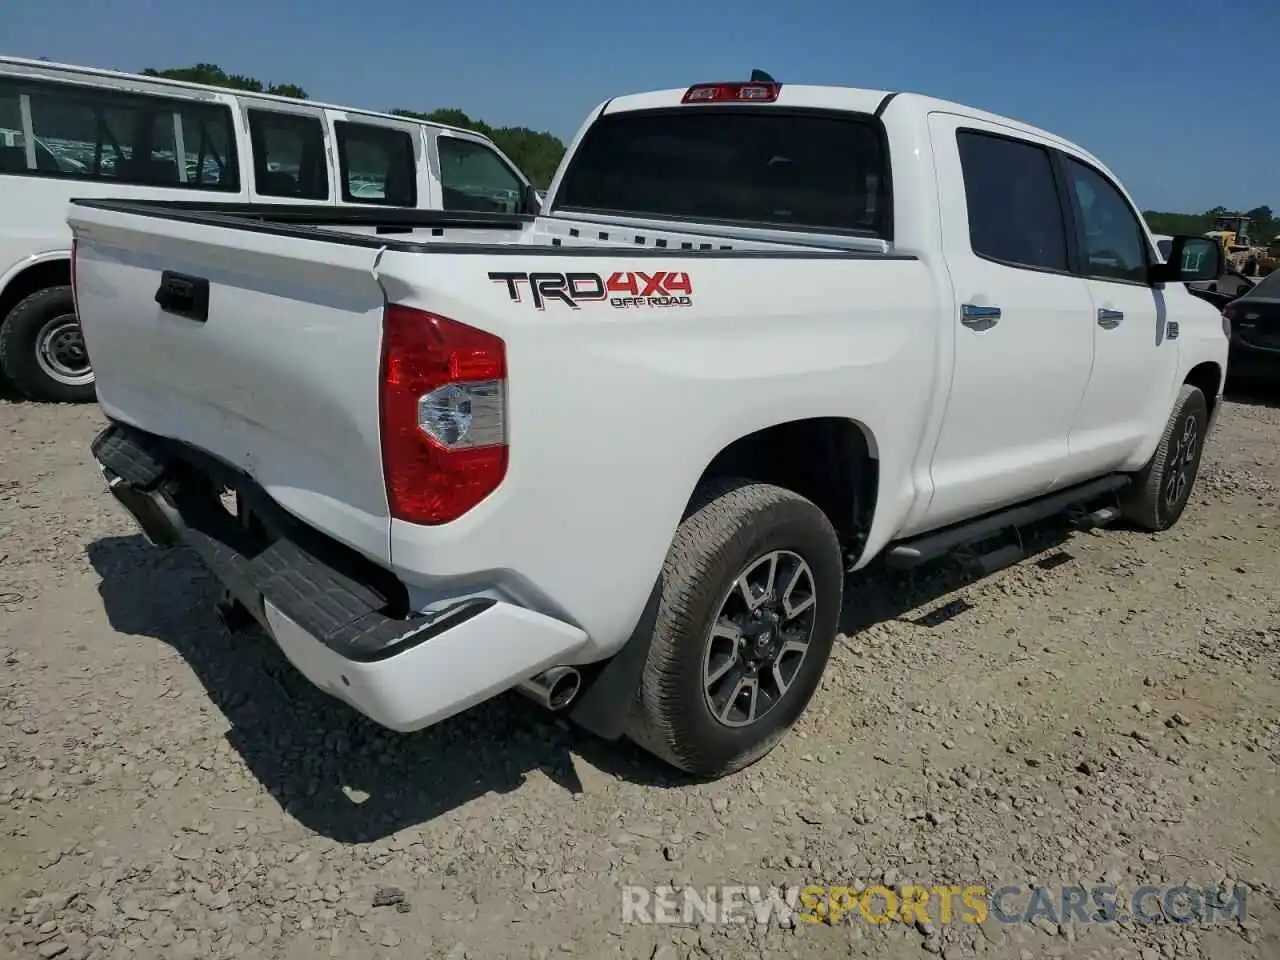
[(172, 791)]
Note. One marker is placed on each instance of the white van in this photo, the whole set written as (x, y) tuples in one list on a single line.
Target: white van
[(69, 131)]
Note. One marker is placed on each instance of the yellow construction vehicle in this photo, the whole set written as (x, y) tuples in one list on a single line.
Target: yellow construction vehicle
[(1231, 230), (1225, 237), (1236, 228)]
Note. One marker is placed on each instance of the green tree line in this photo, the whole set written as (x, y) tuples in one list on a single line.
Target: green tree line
[(1263, 228), (536, 152), (215, 76)]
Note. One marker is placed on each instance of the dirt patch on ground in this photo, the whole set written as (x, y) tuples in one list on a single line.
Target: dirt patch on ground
[(1106, 712)]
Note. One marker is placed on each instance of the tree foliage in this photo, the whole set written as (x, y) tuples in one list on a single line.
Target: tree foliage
[(1265, 225), (215, 76), (536, 152)]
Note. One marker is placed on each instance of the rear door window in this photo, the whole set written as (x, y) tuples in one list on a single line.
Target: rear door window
[(760, 167), (1015, 214)]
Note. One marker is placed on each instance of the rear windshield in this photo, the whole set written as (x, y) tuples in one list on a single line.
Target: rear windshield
[(760, 167), (1268, 287)]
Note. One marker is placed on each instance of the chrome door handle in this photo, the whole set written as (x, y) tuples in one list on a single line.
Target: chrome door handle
[(981, 317), (1109, 319)]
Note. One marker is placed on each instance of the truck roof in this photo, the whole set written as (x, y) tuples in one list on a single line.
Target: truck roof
[(855, 99), (47, 67)]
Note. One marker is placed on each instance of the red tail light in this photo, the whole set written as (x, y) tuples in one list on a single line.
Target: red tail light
[(758, 92), (443, 410)]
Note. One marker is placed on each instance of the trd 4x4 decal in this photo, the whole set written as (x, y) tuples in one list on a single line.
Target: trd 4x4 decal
[(657, 288)]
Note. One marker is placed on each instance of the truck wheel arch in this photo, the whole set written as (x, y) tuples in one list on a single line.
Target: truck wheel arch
[(34, 295), (832, 461), (838, 471), (34, 274), (1207, 377)]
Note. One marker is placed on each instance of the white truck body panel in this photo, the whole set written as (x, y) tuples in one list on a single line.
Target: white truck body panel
[(993, 445), (678, 386), (296, 408), (614, 413)]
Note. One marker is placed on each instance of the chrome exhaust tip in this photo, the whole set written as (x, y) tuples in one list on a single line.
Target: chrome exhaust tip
[(553, 689)]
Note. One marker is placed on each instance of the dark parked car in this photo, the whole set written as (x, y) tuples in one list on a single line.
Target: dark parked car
[(1255, 331)]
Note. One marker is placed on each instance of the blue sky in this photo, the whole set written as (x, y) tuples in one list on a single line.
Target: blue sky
[(1152, 87)]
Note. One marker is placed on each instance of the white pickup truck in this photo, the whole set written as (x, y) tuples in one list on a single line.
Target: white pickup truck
[(621, 455)]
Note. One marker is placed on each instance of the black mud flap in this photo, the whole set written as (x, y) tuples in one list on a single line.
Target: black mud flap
[(604, 706)]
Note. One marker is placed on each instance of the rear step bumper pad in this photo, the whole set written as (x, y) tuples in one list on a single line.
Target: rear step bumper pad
[(404, 674), (457, 668)]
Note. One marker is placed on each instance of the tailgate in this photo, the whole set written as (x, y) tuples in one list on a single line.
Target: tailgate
[(265, 354)]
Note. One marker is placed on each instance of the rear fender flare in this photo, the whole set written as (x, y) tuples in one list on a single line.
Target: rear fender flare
[(26, 263)]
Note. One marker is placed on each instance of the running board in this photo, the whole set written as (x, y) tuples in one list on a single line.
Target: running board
[(985, 564), (930, 546), (1090, 520)]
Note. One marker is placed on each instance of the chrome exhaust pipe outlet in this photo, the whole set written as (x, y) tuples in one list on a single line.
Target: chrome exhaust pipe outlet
[(553, 689)]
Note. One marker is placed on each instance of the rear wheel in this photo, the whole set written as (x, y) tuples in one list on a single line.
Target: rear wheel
[(751, 598), (42, 351), (1160, 491)]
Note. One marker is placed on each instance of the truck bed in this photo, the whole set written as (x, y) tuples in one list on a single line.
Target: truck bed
[(444, 228)]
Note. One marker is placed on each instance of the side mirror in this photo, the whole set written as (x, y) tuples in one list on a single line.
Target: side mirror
[(529, 202), (1190, 260)]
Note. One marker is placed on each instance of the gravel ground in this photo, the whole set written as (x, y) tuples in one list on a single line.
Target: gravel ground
[(1106, 711)]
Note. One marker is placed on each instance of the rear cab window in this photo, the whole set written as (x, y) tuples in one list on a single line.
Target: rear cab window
[(1268, 288), (754, 166)]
